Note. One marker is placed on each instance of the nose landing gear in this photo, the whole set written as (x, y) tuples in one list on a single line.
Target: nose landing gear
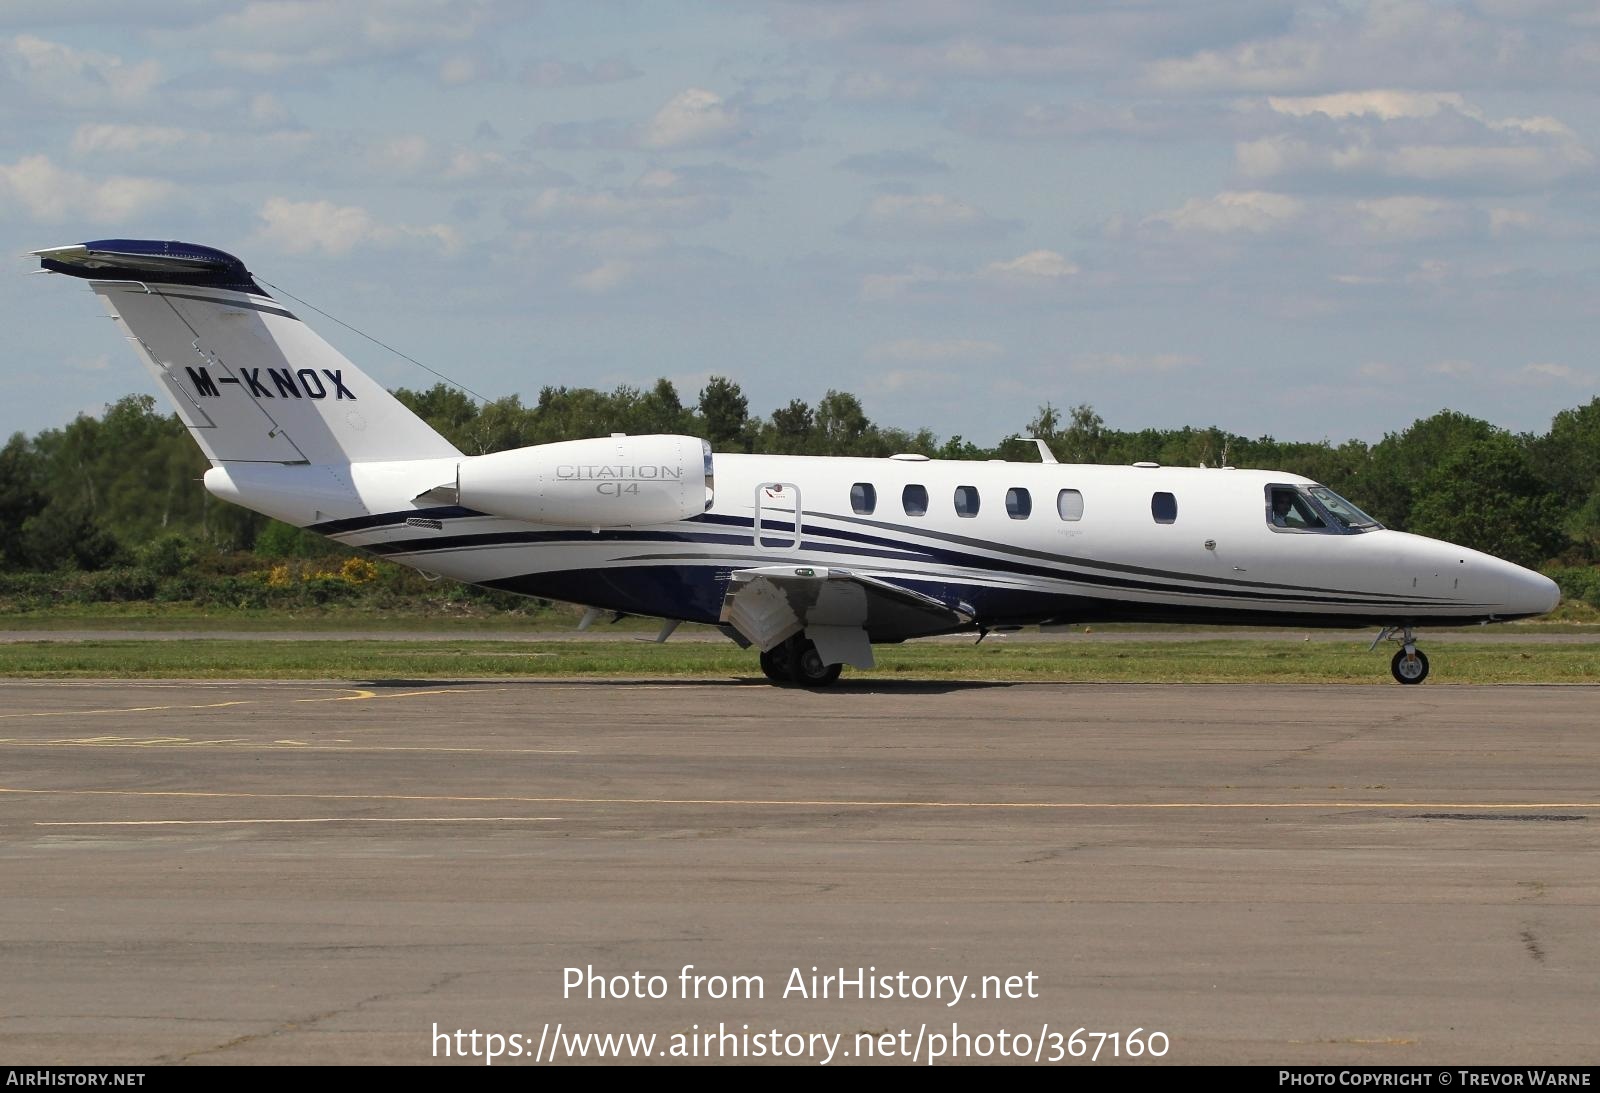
[(1410, 664)]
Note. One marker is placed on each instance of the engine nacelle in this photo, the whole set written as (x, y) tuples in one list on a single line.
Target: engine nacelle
[(606, 482)]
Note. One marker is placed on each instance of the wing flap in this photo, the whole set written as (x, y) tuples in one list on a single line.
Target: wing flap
[(840, 610)]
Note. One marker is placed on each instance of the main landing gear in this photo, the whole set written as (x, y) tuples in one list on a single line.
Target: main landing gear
[(797, 661), (1410, 664)]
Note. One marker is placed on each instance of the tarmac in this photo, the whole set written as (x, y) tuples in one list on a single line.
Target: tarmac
[(355, 872)]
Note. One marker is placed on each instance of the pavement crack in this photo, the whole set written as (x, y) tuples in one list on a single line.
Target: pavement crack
[(300, 1023), (1531, 943)]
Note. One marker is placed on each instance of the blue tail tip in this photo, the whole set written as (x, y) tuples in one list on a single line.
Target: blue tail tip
[(167, 261)]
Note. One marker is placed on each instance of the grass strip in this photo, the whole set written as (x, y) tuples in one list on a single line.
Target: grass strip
[(1126, 662)]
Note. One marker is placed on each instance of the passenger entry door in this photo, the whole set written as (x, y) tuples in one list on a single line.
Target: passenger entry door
[(777, 516)]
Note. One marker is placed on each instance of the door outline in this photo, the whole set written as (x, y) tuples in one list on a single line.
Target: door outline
[(764, 504)]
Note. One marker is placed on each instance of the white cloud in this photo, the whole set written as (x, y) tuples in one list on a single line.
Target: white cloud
[(606, 276), (266, 109), (1036, 263), (885, 286), (53, 194), (100, 363), (1512, 166), (1126, 363), (1384, 104), (1035, 268), (267, 37), (574, 206), (1252, 211), (947, 350), (1410, 217), (460, 69), (875, 87), (1414, 43), (304, 227), (1036, 122), (693, 118), (1453, 369), (888, 162), (403, 154), (909, 381), (918, 216), (1411, 136), (1506, 221), (1253, 66), (552, 73), (1546, 372), (109, 138), (78, 79)]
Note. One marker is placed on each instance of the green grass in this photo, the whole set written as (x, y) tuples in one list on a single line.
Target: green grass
[(464, 618), (1132, 661), (468, 617)]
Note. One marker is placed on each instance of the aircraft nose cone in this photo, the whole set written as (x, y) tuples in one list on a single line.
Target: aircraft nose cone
[(1527, 592)]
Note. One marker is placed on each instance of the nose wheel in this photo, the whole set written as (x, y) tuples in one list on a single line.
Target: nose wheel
[(1410, 664)]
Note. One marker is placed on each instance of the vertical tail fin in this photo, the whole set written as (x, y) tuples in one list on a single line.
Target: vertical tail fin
[(251, 381)]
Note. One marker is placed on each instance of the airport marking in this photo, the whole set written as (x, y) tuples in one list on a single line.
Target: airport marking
[(125, 709), (304, 820), (360, 695), (712, 802), (243, 744)]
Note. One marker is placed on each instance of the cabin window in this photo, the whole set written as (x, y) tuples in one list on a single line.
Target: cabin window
[(915, 500), (1069, 504), (1019, 504), (863, 498), (967, 501), (1164, 507)]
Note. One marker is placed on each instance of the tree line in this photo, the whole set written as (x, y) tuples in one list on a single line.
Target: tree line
[(123, 489)]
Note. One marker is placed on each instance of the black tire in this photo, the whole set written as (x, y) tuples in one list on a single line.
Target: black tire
[(810, 671), (1412, 669), (775, 666)]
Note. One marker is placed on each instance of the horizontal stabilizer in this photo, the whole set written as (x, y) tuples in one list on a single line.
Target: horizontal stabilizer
[(168, 261)]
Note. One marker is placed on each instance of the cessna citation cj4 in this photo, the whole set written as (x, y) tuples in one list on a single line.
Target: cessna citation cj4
[(811, 560)]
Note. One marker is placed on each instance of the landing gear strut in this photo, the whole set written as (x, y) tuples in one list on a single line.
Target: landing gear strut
[(797, 661), (1410, 664)]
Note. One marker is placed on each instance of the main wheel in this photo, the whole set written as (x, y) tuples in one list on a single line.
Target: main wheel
[(810, 671), (775, 665), (1409, 667)]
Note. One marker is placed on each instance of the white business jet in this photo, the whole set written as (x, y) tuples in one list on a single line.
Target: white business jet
[(812, 560)]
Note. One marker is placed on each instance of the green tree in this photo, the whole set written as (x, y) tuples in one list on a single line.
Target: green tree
[(501, 425), (1387, 489), (791, 431), (1084, 440), (725, 413), (1485, 495), (67, 535), (1568, 458), (450, 411), (842, 425), (21, 497)]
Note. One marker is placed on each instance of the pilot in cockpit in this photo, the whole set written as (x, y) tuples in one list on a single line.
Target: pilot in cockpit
[(1290, 510)]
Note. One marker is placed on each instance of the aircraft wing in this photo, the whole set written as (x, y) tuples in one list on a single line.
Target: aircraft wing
[(841, 611)]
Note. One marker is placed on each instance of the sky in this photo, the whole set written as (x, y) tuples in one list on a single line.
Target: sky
[(1305, 220)]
